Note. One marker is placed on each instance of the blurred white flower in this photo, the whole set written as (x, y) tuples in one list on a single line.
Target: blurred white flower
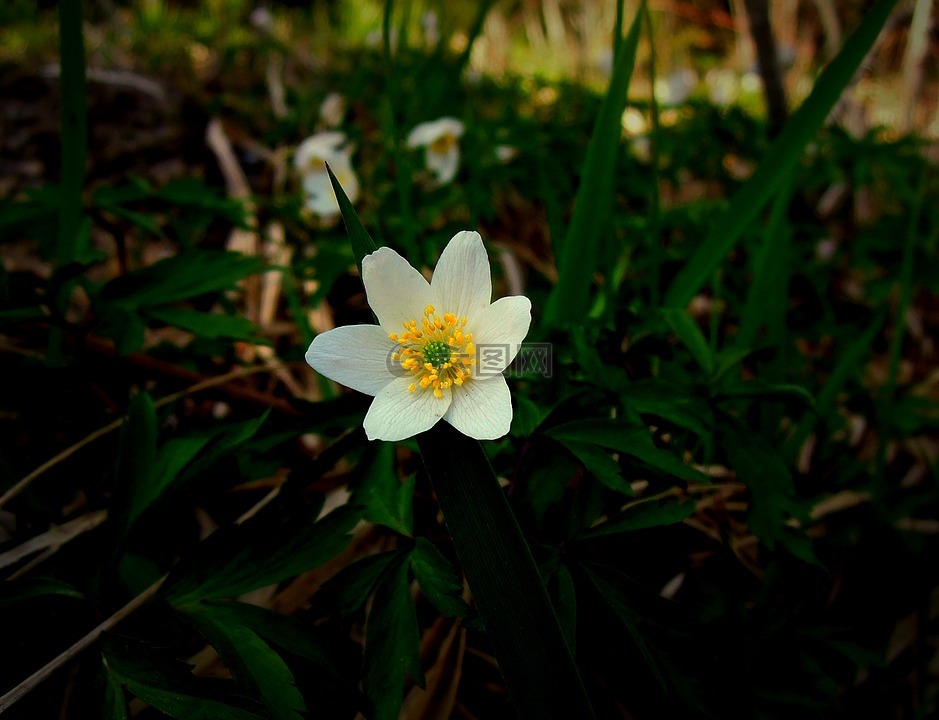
[(634, 122), (310, 162), (420, 361), (332, 110), (441, 138), (723, 86), (506, 153), (675, 88)]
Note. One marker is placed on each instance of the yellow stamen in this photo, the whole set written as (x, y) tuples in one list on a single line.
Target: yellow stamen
[(429, 310)]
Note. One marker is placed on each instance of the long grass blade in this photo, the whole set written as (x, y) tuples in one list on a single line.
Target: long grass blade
[(570, 299), (781, 157)]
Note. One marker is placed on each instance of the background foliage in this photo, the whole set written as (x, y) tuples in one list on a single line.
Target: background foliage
[(728, 482)]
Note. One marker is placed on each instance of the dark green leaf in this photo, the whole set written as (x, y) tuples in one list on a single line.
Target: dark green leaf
[(18, 591), (238, 559), (628, 439), (759, 466), (207, 325), (601, 465), (520, 621), (641, 515), (438, 579), (690, 335), (386, 498), (348, 589), (361, 241), (251, 660), (167, 684), (392, 644), (632, 620)]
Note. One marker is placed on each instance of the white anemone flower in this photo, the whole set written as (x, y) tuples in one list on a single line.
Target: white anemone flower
[(439, 350), (310, 162), (441, 138)]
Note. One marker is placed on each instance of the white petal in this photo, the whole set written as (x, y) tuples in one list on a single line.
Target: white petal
[(320, 197), (461, 279), (396, 414), (321, 146), (502, 325), (395, 291), (444, 165), (427, 132), (481, 409), (357, 356)]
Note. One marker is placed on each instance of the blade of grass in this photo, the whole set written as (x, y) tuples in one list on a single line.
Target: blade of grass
[(74, 120), (781, 157), (767, 295), (520, 621), (569, 300), (361, 241), (655, 192)]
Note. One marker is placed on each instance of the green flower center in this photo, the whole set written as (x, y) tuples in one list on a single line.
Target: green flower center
[(437, 353)]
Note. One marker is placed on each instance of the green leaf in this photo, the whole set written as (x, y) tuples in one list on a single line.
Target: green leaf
[(632, 620), (187, 275), (779, 160), (767, 299), (641, 515), (690, 335), (168, 686), (759, 466), (599, 463), (13, 592), (438, 579), (137, 458), (242, 558), (348, 589), (251, 660), (208, 326), (113, 704), (361, 241), (669, 401), (757, 389), (387, 500), (289, 633), (392, 644), (580, 251), (520, 620), (628, 439)]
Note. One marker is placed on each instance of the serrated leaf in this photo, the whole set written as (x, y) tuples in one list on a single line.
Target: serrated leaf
[(168, 686), (759, 466), (623, 438), (642, 515), (253, 663), (392, 644), (238, 559), (387, 500), (439, 580)]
